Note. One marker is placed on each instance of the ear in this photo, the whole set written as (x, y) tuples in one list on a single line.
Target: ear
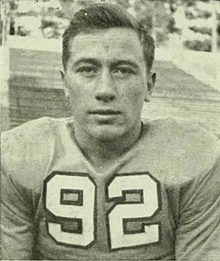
[(151, 80), (66, 91)]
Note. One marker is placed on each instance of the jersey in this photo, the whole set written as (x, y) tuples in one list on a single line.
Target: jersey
[(159, 201)]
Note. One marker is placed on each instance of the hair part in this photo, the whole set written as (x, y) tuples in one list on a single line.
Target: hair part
[(105, 16)]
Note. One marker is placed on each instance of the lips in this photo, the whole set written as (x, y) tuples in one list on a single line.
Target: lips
[(105, 112)]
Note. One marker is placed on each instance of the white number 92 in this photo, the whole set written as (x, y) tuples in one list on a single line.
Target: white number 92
[(121, 212)]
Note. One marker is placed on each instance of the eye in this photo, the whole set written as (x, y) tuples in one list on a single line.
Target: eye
[(123, 71), (87, 71)]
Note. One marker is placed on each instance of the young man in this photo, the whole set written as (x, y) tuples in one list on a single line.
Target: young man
[(107, 184)]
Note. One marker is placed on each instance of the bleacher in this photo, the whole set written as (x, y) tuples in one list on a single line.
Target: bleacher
[(35, 87)]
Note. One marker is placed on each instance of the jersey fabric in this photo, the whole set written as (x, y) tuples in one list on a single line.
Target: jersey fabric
[(159, 201)]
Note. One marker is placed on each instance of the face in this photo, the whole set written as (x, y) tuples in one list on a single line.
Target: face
[(106, 81)]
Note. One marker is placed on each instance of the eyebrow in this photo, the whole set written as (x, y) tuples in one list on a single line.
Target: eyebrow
[(125, 62), (87, 60), (114, 63)]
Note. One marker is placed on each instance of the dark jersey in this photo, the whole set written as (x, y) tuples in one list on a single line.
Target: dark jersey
[(160, 200)]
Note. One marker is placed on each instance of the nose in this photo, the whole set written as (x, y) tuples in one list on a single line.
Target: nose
[(105, 89)]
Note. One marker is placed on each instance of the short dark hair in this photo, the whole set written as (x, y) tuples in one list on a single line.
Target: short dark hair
[(104, 16)]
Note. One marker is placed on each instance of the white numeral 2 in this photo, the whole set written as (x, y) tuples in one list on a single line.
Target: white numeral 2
[(133, 211), (82, 208)]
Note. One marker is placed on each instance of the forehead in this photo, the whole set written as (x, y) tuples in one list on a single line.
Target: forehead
[(113, 43)]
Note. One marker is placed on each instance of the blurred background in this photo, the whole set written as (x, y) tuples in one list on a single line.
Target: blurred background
[(187, 37)]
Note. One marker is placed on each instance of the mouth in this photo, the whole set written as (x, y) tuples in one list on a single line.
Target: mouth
[(105, 112)]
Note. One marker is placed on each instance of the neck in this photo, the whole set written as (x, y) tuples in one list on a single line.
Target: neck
[(103, 153)]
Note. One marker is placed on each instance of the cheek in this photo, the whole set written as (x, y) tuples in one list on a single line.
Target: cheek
[(78, 88), (135, 94), (75, 91), (76, 100)]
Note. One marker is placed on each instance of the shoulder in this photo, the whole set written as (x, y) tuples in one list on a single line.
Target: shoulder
[(177, 127), (186, 134), (34, 132), (27, 149), (183, 145), (31, 133)]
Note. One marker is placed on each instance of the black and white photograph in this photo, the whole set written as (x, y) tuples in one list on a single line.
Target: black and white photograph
[(110, 130)]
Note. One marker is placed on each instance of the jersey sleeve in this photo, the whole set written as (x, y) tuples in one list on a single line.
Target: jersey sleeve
[(198, 232), (23, 157), (17, 223)]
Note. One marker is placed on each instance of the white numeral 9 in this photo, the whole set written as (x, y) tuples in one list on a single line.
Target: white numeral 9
[(83, 212)]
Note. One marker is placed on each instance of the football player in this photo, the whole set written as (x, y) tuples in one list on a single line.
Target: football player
[(106, 184)]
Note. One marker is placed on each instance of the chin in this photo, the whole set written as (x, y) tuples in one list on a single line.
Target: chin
[(107, 133)]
